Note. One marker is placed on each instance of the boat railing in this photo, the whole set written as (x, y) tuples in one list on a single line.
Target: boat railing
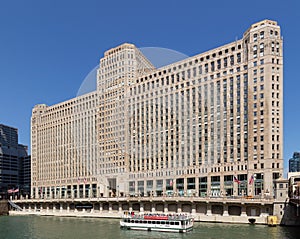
[(154, 216)]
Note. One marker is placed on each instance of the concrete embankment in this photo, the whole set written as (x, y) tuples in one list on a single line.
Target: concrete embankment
[(3, 207), (115, 214)]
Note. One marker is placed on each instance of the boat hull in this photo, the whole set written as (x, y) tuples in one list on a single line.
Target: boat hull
[(141, 228), (155, 227)]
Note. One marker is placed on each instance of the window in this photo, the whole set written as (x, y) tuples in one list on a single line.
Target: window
[(255, 37), (261, 46), (261, 70)]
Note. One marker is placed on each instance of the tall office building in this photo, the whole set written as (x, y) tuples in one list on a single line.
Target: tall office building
[(294, 163), (208, 125), (11, 160), (64, 148)]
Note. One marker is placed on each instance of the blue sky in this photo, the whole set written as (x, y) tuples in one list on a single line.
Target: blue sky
[(48, 47)]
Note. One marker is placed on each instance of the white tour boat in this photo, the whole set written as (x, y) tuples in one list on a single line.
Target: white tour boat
[(157, 222)]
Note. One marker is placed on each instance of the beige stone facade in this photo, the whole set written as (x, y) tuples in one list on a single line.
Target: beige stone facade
[(210, 125), (64, 148)]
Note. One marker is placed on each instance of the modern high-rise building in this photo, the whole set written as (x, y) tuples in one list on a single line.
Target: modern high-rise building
[(12, 155), (294, 163), (209, 125)]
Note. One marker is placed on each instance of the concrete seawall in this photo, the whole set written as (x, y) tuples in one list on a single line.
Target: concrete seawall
[(3, 207), (117, 215), (202, 209)]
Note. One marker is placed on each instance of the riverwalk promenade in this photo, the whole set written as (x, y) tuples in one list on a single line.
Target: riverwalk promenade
[(208, 209)]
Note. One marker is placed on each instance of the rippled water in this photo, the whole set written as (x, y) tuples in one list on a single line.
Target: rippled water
[(38, 227)]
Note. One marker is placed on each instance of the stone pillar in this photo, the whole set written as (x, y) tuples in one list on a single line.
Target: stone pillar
[(54, 207), (197, 186), (92, 209), (235, 189), (41, 207), (225, 210), (208, 209), (61, 207), (244, 211), (165, 207), (193, 208), (130, 207), (101, 207), (83, 191), (120, 207), (91, 191), (154, 188), (174, 187), (185, 186), (141, 207), (68, 207), (47, 208), (208, 186), (152, 207), (164, 188), (72, 191), (179, 207), (78, 191), (110, 207), (250, 188), (222, 190)]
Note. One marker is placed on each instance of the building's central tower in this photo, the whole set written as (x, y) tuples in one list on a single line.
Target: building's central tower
[(118, 69)]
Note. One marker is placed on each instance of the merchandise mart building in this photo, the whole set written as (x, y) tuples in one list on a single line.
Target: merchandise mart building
[(209, 125)]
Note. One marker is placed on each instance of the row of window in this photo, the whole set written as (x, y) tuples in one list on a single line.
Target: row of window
[(261, 35)]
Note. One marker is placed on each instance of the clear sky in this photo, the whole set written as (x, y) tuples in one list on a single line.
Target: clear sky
[(48, 47)]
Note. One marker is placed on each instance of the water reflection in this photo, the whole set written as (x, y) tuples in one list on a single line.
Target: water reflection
[(64, 228)]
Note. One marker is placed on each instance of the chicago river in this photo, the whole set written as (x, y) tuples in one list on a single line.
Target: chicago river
[(42, 227)]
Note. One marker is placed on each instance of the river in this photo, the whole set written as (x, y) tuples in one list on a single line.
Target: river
[(40, 227)]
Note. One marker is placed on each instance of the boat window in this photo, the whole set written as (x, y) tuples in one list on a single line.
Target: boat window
[(136, 221), (172, 223), (162, 222), (167, 223), (153, 222), (132, 221), (176, 223)]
